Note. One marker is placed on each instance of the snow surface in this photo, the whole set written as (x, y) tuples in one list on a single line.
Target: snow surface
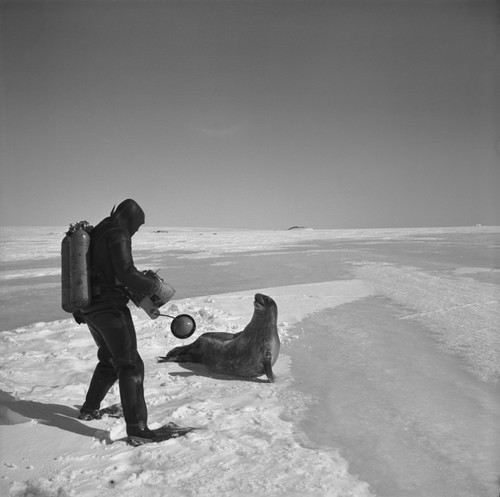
[(387, 380)]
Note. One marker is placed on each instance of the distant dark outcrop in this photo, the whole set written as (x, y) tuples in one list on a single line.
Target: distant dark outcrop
[(298, 228)]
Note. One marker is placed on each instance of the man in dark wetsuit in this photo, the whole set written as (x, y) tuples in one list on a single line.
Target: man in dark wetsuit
[(109, 319)]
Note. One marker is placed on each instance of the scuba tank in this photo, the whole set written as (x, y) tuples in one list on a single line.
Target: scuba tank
[(75, 267), (65, 278), (79, 276)]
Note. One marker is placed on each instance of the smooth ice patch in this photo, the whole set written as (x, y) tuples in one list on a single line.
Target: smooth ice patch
[(463, 313), (407, 416)]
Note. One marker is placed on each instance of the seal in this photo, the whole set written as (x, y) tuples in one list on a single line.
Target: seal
[(249, 353)]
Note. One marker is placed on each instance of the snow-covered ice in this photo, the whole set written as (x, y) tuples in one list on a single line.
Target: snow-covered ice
[(387, 381)]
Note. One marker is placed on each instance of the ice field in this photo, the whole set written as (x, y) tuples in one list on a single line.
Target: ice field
[(387, 380)]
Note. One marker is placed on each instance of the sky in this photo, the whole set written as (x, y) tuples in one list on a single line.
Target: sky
[(251, 114)]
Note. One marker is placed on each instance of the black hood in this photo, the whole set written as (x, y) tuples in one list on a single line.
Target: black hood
[(129, 214)]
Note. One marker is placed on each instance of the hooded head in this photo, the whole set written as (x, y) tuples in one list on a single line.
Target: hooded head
[(129, 215)]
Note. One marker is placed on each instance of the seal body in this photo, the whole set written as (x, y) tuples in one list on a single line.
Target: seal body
[(249, 353)]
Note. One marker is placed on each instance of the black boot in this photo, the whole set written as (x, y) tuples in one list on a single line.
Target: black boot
[(140, 434), (87, 414)]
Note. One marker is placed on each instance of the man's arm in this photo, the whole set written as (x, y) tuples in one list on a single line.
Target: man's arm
[(120, 246)]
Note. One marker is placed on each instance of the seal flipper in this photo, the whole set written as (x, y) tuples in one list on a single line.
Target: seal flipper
[(184, 353), (268, 366)]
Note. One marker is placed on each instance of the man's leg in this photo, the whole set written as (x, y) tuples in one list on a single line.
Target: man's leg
[(103, 379), (117, 330)]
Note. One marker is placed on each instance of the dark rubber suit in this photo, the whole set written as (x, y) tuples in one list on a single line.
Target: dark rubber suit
[(108, 316)]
